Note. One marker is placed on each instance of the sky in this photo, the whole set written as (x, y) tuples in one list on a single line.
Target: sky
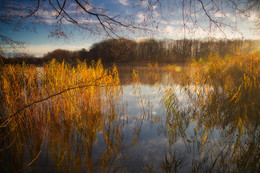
[(162, 20)]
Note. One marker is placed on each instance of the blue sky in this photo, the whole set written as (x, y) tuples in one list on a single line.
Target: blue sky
[(39, 40)]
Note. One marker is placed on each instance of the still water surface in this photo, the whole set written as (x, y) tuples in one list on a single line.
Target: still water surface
[(155, 126)]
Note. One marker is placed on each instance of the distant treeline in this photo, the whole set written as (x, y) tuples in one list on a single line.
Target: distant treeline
[(129, 51)]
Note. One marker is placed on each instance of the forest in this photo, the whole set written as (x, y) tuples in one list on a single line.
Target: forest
[(184, 98), (144, 51)]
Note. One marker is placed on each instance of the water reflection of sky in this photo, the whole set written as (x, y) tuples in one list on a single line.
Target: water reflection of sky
[(147, 134), (154, 144), (144, 104)]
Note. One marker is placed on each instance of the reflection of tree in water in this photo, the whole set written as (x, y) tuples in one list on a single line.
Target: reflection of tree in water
[(150, 74), (213, 118), (224, 105)]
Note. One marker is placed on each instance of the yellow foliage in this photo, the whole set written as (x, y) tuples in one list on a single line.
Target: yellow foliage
[(59, 99)]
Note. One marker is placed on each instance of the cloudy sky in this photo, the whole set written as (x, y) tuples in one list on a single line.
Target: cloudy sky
[(41, 31)]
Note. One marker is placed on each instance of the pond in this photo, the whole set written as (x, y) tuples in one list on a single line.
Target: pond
[(154, 123)]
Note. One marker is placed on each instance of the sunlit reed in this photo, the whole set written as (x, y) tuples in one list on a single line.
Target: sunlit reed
[(63, 107)]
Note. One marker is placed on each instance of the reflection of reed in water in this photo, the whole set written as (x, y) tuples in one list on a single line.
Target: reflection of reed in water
[(69, 118), (53, 122), (224, 106)]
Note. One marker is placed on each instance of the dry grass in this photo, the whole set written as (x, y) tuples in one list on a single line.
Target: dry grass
[(225, 99), (66, 106)]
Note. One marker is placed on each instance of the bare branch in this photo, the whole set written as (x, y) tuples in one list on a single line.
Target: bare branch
[(61, 8), (71, 19), (7, 121), (93, 19), (10, 42), (210, 18), (33, 12)]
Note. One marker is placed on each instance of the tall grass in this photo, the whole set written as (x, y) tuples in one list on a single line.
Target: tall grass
[(65, 109), (66, 106), (232, 85), (224, 94)]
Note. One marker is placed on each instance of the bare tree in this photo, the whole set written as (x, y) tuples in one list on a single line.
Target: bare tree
[(209, 16), (64, 17)]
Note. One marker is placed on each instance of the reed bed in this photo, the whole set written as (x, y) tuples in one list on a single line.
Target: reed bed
[(223, 100), (65, 109), (64, 105), (232, 84)]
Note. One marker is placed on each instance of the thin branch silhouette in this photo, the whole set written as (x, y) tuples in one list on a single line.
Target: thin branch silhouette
[(8, 120)]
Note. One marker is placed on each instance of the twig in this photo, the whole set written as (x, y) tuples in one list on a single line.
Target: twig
[(8, 120)]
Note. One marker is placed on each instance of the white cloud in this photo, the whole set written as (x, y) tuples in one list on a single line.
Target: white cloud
[(225, 15), (46, 14), (50, 17), (177, 32), (219, 15), (123, 2), (231, 17), (144, 3), (173, 22), (140, 17), (254, 17), (77, 10), (169, 29)]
